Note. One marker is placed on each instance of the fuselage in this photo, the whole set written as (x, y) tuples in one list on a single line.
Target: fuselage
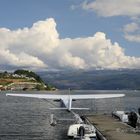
[(67, 103)]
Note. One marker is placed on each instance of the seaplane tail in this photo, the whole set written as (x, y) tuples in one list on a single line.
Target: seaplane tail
[(66, 100)]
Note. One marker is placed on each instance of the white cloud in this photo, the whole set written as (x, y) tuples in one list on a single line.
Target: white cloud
[(67, 60), (132, 37), (40, 47), (132, 27), (132, 32), (97, 51), (28, 46), (108, 8)]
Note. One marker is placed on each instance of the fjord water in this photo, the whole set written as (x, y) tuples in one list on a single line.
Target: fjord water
[(28, 118)]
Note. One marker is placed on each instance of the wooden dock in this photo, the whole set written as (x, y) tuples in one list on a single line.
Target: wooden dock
[(113, 129)]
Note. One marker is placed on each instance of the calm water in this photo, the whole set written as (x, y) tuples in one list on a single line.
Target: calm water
[(28, 119)]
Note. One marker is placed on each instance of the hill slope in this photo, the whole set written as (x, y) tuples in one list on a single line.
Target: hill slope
[(22, 80), (97, 79)]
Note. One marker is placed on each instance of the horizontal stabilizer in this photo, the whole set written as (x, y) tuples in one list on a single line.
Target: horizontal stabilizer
[(80, 108), (71, 108), (64, 119), (62, 108)]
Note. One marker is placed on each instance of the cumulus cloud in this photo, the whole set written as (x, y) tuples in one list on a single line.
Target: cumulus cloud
[(98, 52), (108, 8), (28, 46), (39, 47)]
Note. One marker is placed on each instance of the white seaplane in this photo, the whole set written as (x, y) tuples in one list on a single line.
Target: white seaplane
[(66, 100), (79, 130)]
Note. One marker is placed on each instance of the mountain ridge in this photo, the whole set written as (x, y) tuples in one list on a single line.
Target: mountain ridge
[(122, 79)]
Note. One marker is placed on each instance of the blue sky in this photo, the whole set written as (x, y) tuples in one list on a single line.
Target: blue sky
[(76, 19)]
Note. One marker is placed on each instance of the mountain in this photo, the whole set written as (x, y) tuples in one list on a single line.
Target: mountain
[(96, 79)]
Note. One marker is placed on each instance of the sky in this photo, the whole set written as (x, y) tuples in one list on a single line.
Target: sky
[(69, 34)]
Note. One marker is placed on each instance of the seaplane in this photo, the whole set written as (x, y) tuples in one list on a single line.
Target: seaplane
[(79, 130), (66, 100)]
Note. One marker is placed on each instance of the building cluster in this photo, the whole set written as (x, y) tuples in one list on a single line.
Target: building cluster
[(17, 85), (22, 76)]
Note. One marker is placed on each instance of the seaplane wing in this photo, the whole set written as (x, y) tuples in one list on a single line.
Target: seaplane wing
[(40, 96), (81, 96), (96, 96), (63, 97), (67, 99)]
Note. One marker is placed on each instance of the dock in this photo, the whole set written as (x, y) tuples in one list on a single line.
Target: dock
[(112, 129)]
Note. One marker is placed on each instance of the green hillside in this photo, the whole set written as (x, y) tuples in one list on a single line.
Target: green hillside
[(22, 80)]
